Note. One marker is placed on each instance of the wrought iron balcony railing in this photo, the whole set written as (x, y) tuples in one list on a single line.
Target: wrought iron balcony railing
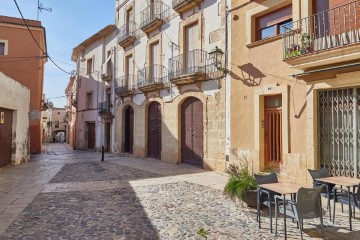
[(104, 107), (333, 28), (152, 76), (157, 12), (127, 33), (193, 62), (125, 85)]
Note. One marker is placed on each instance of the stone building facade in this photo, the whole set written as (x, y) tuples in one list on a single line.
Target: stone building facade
[(93, 96), (170, 89), (14, 122), (295, 87)]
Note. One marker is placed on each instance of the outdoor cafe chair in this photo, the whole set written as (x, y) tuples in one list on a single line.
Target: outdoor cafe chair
[(307, 206), (343, 198), (328, 192), (265, 197)]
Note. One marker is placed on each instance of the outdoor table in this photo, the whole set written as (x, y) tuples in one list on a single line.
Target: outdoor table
[(282, 188), (347, 182)]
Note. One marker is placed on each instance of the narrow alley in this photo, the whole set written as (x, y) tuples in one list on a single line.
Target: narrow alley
[(66, 194)]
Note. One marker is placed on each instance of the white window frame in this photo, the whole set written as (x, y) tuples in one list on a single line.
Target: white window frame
[(6, 50)]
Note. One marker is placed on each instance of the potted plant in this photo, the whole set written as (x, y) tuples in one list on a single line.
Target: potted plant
[(241, 185), (305, 43)]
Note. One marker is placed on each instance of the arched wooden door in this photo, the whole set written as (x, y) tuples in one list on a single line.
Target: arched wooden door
[(129, 130), (192, 132), (154, 130)]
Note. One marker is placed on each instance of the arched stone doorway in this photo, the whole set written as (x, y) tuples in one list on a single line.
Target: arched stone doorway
[(154, 130), (128, 129), (192, 132)]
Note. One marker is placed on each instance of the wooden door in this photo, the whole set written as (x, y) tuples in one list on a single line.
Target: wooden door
[(129, 66), (192, 43), (273, 130), (192, 132), (91, 135), (154, 130), (155, 61), (107, 137), (129, 130), (6, 121)]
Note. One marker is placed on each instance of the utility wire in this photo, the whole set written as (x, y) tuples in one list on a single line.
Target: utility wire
[(21, 60), (27, 26)]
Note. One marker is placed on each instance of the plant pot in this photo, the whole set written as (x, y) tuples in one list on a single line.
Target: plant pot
[(250, 198)]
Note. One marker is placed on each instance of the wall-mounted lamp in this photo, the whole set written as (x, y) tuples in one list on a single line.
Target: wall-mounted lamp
[(216, 54)]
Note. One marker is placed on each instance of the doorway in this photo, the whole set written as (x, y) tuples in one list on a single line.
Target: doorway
[(192, 132), (129, 129), (154, 130)]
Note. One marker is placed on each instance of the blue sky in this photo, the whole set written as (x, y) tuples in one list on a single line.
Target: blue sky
[(69, 23)]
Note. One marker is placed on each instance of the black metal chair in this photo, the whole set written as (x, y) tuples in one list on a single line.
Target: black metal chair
[(328, 191), (307, 206), (265, 197), (343, 199)]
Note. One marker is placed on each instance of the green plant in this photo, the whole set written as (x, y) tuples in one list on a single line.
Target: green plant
[(240, 181), (203, 233)]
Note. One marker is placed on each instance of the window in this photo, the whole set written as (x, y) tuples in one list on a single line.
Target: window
[(273, 23), (89, 66), (58, 113), (56, 124), (2, 48), (89, 100)]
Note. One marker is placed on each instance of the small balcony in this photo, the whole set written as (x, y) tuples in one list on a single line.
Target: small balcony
[(125, 85), (104, 107), (181, 6), (189, 68), (154, 16), (326, 38), (127, 34), (152, 78), (107, 76)]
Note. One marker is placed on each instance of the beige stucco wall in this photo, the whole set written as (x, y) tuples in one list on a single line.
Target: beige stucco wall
[(16, 97), (260, 72)]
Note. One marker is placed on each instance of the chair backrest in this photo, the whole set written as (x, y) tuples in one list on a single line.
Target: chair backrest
[(321, 173), (308, 200), (264, 179)]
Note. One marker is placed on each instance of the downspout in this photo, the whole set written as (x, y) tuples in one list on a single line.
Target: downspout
[(113, 53)]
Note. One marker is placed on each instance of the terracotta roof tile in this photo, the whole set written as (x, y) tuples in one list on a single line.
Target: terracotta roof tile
[(19, 21)]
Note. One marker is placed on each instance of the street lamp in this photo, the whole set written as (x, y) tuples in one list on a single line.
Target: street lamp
[(216, 54)]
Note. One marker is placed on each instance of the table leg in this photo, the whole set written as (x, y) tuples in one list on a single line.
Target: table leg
[(350, 210), (328, 195), (284, 204)]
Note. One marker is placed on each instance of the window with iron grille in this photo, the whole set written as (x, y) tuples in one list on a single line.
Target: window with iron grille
[(339, 131), (57, 124)]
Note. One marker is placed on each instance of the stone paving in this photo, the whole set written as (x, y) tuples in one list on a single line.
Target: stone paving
[(98, 171), (61, 195)]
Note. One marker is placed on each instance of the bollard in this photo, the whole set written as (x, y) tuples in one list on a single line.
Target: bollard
[(102, 153)]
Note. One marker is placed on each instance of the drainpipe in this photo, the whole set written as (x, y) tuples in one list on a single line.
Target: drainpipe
[(113, 57)]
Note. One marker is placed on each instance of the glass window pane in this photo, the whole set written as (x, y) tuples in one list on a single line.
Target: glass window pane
[(2, 48), (285, 25), (267, 32)]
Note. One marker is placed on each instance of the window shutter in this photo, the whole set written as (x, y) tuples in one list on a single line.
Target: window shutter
[(93, 63), (274, 17)]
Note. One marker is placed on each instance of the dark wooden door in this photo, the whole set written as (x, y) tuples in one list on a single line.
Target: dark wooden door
[(192, 132), (91, 135), (129, 130), (6, 119), (154, 130), (107, 136)]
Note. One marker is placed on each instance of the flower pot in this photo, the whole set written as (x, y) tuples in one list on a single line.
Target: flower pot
[(250, 198)]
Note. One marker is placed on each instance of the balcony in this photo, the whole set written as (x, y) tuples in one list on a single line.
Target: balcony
[(104, 107), (181, 6), (107, 76), (127, 34), (189, 68), (152, 78), (154, 16), (124, 86), (326, 38)]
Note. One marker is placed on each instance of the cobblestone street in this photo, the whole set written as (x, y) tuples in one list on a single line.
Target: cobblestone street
[(65, 194)]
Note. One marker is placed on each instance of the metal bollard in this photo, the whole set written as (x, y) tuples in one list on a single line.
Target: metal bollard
[(102, 153)]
